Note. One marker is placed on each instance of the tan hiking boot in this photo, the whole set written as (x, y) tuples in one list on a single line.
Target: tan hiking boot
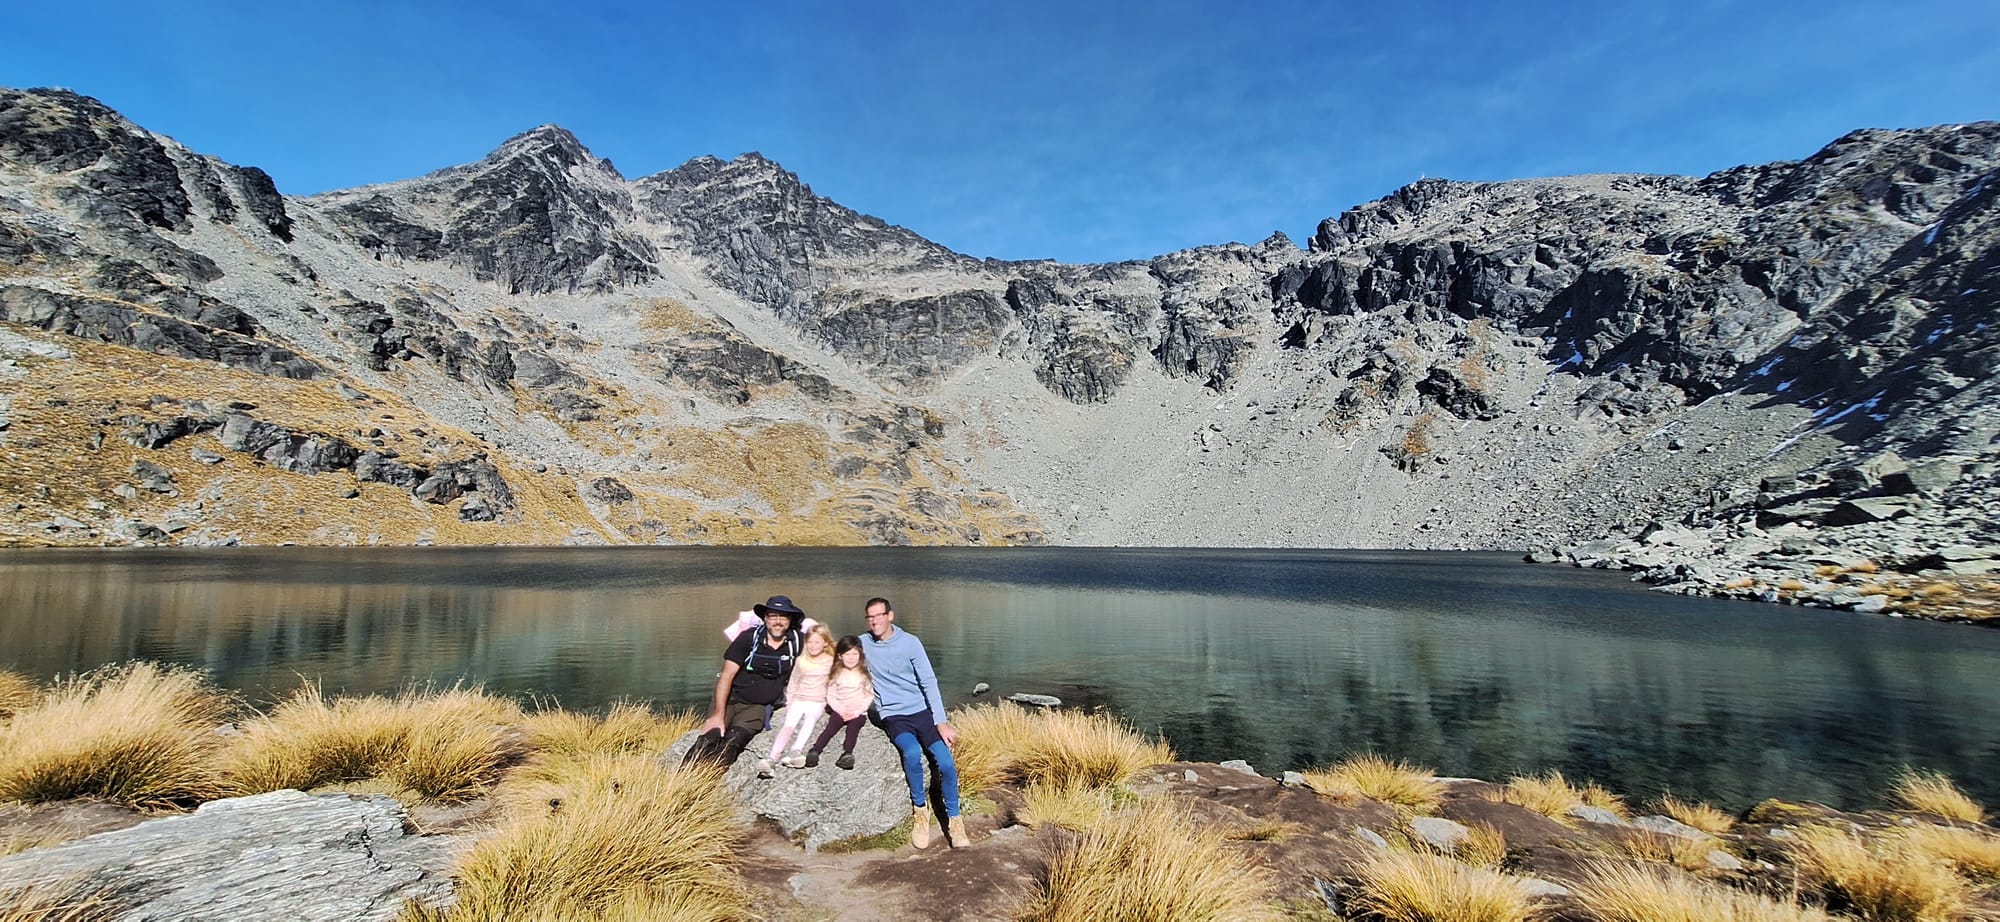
[(920, 828), (954, 828)]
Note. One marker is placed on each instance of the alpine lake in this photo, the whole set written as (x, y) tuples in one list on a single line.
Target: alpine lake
[(1472, 664)]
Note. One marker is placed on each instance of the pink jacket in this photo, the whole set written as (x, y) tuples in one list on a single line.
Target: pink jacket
[(808, 683), (850, 694)]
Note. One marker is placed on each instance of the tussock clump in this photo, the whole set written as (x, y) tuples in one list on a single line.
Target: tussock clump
[(308, 742), (1411, 887), (1889, 882), (1147, 864), (1622, 893), (990, 737), (1974, 854), (459, 740), (1055, 748), (626, 727), (444, 745), (17, 693), (69, 900), (625, 838), (1552, 795), (1699, 815), (1369, 775), (1657, 848), (1483, 847), (141, 735), (1933, 793), (1075, 807)]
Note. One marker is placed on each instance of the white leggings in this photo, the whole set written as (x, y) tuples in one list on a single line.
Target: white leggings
[(796, 713)]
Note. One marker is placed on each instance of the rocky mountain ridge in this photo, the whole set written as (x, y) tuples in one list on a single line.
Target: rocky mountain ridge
[(716, 354)]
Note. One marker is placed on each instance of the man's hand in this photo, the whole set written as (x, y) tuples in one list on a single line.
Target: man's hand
[(946, 733), (713, 723)]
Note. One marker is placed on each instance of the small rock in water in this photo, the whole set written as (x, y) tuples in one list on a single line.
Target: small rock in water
[(981, 688), (1040, 701)]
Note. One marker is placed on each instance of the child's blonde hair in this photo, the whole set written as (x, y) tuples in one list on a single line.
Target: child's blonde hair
[(825, 637), (850, 642)]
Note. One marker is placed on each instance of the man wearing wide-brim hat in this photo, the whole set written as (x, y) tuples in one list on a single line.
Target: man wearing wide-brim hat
[(755, 669)]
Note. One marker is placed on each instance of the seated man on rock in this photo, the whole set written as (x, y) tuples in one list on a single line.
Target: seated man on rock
[(755, 669)]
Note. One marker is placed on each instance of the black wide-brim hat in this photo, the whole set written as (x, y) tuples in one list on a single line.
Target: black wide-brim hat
[(780, 604)]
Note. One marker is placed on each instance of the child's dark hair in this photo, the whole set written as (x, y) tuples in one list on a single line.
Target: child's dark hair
[(850, 642)]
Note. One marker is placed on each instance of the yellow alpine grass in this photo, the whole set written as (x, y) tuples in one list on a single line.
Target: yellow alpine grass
[(619, 837), (141, 735), (1933, 793), (1372, 776), (1410, 887), (1622, 893), (1145, 864)]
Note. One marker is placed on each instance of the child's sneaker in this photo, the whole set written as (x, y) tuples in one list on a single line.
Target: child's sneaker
[(846, 759), (812, 759), (795, 761), (763, 768)]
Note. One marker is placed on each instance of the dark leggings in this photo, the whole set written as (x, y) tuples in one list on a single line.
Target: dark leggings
[(833, 725)]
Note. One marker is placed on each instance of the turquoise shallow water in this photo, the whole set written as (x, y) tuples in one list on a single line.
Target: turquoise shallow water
[(1474, 664)]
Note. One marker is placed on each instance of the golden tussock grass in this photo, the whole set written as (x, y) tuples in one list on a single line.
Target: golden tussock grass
[(1552, 795), (626, 727), (1144, 864), (1483, 847), (1056, 748), (1656, 848), (17, 693), (625, 836), (141, 735), (69, 900), (1264, 829), (1975, 854), (1369, 775), (1074, 807), (444, 745), (1413, 887), (307, 742), (1699, 815), (1622, 893), (1933, 793), (1886, 882)]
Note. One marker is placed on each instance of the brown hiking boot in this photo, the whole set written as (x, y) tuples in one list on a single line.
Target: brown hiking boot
[(920, 827), (954, 828)]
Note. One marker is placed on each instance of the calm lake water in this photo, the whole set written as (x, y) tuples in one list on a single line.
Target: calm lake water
[(1474, 664)]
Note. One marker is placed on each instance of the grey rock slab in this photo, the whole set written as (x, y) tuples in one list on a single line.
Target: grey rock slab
[(824, 804), (1370, 836), (1292, 779), (1442, 834), (1723, 861), (285, 856), (1536, 888), (1667, 825), (1599, 815), (1241, 766)]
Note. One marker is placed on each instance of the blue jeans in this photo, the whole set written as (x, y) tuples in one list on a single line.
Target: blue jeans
[(913, 735)]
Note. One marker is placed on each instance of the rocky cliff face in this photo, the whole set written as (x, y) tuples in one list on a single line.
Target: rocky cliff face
[(1456, 365)]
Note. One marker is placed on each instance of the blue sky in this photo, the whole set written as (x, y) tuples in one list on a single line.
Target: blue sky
[(1072, 130)]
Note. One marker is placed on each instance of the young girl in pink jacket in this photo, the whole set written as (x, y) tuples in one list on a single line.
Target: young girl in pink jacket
[(849, 693), (805, 698)]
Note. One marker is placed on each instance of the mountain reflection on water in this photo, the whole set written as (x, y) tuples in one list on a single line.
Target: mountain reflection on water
[(1474, 664)]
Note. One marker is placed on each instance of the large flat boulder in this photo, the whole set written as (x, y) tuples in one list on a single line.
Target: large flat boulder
[(285, 856), (819, 806)]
